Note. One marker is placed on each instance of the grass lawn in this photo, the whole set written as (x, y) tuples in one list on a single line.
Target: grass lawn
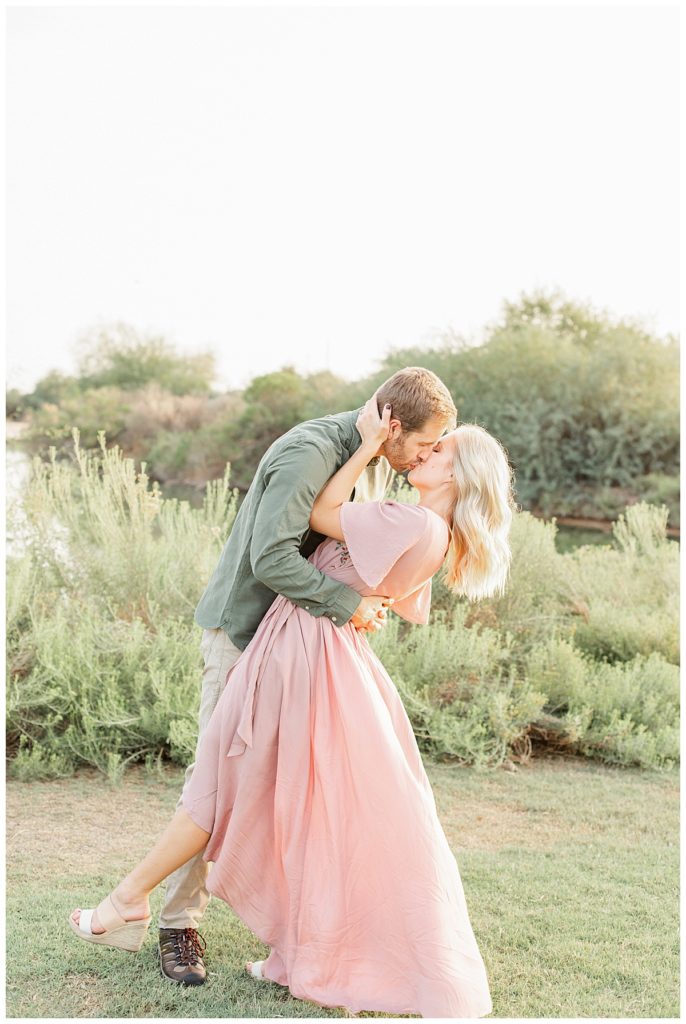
[(570, 869)]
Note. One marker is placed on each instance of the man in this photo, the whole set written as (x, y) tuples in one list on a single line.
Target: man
[(265, 555)]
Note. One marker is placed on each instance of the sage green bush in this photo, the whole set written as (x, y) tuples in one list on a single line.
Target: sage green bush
[(103, 692), (119, 356), (626, 713), (52, 424), (105, 531), (104, 664), (459, 686), (582, 649), (628, 594), (540, 597)]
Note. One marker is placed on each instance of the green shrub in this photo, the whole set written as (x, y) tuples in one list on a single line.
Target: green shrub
[(169, 453), (623, 713), (104, 667), (586, 405), (539, 597), (103, 692), (53, 389), (14, 404), (619, 634), (121, 540), (662, 489), (628, 595), (119, 356), (460, 691), (53, 425), (580, 401)]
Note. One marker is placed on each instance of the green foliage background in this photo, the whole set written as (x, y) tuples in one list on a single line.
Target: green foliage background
[(586, 406), (104, 667), (104, 572)]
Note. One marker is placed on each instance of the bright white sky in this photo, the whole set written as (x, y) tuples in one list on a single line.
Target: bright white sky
[(316, 185)]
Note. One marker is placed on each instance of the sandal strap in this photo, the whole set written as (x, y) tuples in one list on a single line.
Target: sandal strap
[(110, 917), (85, 918)]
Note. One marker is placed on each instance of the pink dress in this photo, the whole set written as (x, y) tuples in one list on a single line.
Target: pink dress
[(324, 834)]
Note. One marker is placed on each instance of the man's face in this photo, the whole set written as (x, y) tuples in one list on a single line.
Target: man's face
[(404, 451)]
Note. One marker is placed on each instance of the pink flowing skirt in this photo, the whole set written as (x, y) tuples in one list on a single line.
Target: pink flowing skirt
[(325, 838)]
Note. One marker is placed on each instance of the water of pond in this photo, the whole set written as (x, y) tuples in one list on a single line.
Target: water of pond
[(17, 466)]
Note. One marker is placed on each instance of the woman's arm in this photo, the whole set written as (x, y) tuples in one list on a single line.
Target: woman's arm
[(325, 517)]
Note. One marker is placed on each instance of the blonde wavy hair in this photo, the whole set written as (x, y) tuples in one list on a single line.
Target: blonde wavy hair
[(478, 561)]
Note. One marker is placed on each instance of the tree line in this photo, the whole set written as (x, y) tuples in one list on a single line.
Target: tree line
[(586, 405)]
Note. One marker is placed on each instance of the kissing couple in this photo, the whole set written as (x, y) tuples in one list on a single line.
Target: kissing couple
[(308, 795)]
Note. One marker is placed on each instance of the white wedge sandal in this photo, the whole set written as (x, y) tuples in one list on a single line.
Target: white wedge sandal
[(121, 934), (254, 968)]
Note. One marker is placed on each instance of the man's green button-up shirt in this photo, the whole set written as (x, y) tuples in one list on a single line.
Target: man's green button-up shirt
[(267, 550)]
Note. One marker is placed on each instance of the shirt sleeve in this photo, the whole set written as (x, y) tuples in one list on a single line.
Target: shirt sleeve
[(296, 477), (377, 533)]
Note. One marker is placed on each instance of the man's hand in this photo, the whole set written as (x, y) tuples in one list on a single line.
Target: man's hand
[(371, 613)]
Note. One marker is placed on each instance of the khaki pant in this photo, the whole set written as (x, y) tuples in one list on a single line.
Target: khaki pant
[(186, 896)]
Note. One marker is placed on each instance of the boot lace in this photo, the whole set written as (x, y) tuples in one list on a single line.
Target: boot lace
[(190, 946)]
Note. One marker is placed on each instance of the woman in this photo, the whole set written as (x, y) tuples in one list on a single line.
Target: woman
[(309, 795)]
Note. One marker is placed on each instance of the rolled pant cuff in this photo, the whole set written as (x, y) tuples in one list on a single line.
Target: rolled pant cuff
[(178, 923)]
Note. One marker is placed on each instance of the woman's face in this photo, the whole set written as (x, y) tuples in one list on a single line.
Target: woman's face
[(437, 470)]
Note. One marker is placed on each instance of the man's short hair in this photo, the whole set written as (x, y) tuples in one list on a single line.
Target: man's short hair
[(416, 396)]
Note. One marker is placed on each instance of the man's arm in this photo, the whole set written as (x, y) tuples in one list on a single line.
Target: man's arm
[(296, 476)]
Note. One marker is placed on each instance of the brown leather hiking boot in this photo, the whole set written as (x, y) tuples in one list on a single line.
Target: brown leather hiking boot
[(181, 953)]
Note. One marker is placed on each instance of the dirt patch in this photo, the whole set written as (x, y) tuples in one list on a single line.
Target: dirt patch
[(536, 805), (477, 826), (84, 821), (67, 823)]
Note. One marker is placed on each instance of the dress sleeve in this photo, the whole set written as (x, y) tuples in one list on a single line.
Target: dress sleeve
[(416, 606), (377, 533)]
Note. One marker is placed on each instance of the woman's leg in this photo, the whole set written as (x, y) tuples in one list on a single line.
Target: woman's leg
[(180, 841)]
